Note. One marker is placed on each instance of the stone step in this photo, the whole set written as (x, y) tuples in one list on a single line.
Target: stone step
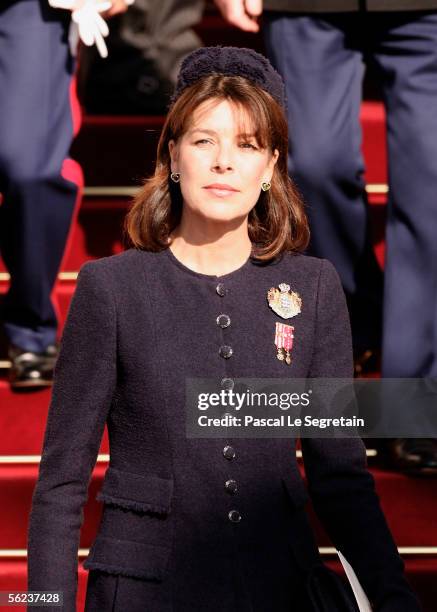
[(413, 522)]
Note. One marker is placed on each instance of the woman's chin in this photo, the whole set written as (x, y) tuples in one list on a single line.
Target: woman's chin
[(222, 217), (223, 212)]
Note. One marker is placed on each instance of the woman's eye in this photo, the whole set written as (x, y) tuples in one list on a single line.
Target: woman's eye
[(248, 145), (202, 141)]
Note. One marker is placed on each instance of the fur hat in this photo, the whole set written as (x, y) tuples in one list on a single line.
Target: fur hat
[(232, 61)]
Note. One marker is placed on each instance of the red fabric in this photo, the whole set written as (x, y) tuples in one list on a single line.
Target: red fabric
[(72, 172)]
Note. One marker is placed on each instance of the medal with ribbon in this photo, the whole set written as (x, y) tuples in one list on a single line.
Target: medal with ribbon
[(286, 304), (284, 342)]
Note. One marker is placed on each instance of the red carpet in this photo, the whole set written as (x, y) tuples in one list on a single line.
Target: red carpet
[(119, 151)]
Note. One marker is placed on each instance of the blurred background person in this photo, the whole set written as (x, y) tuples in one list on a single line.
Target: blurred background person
[(39, 184), (321, 49), (146, 47)]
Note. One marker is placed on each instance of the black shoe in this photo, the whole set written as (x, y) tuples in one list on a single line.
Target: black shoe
[(32, 370), (414, 456)]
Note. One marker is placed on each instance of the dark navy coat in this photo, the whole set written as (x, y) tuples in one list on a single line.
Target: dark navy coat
[(139, 324)]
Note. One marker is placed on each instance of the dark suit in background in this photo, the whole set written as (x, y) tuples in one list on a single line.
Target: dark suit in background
[(320, 49), (146, 47)]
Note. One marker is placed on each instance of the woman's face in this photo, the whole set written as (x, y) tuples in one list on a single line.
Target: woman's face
[(221, 169)]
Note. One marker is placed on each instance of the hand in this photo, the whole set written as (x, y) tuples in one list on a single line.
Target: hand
[(118, 6), (92, 27), (241, 13)]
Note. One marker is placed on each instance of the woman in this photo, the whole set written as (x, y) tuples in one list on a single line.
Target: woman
[(204, 524)]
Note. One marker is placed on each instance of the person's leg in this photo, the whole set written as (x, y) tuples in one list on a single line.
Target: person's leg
[(36, 127), (320, 58), (406, 53), (407, 56)]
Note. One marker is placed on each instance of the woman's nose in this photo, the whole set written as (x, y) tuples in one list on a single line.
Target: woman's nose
[(224, 160)]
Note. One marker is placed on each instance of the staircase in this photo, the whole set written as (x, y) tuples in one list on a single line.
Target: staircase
[(116, 153)]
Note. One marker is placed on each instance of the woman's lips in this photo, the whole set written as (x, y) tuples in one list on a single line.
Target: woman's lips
[(221, 192)]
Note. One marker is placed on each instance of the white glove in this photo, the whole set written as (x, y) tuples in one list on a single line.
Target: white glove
[(87, 23), (92, 26)]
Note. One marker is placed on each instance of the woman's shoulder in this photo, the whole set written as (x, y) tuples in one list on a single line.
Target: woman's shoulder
[(126, 261), (314, 277), (308, 266)]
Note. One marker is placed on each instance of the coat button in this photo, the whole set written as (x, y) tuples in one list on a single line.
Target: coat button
[(225, 351), (229, 452), (227, 383), (234, 516), (221, 289), (231, 486), (223, 320)]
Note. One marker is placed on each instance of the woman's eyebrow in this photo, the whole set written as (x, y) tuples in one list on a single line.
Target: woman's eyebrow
[(205, 131), (213, 133)]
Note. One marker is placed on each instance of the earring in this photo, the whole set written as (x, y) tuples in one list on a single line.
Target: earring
[(175, 177), (265, 186)]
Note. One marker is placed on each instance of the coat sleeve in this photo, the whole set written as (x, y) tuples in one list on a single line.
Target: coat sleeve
[(84, 382), (341, 488)]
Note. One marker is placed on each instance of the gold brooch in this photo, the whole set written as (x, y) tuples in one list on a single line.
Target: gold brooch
[(284, 302)]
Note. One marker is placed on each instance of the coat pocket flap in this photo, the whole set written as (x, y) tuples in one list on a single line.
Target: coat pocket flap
[(127, 558), (138, 492)]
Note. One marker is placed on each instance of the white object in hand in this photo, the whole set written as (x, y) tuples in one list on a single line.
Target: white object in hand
[(92, 26), (360, 596), (87, 23)]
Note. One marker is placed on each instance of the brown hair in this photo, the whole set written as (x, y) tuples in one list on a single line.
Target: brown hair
[(277, 223)]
